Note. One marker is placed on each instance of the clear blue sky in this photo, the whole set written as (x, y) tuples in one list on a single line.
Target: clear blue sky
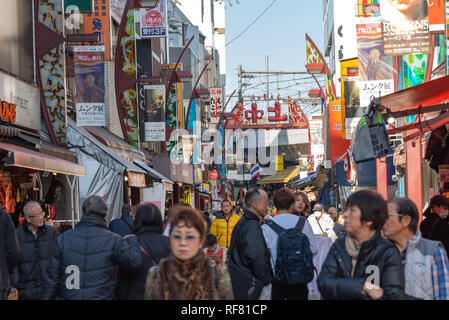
[(279, 33)]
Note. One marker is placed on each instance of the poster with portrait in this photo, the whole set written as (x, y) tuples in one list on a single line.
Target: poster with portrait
[(90, 91), (154, 112), (353, 111), (405, 27)]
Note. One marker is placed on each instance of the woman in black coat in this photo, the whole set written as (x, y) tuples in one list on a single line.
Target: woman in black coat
[(362, 265), (153, 246)]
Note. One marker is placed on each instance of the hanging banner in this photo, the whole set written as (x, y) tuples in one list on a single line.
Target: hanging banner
[(154, 22), (348, 68), (353, 111), (216, 104), (117, 7), (317, 142), (99, 22), (154, 113), (435, 9), (405, 27), (89, 77), (155, 195)]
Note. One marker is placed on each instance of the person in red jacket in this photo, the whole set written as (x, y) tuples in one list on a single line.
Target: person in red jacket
[(214, 251)]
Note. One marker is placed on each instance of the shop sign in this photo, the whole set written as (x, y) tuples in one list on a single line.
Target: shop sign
[(216, 104), (399, 156), (154, 22), (19, 103), (82, 5)]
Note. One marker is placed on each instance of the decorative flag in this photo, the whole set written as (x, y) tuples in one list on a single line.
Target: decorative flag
[(347, 166), (255, 171)]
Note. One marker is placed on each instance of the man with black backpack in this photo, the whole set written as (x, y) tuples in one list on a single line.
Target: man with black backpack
[(292, 246)]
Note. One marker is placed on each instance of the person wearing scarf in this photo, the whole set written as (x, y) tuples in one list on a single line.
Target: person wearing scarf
[(188, 274)]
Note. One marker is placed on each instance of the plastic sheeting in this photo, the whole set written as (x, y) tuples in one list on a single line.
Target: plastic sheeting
[(104, 174)]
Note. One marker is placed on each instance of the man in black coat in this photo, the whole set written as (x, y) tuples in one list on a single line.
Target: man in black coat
[(248, 250), (435, 226), (125, 224), (84, 260), (9, 251), (36, 240), (362, 265)]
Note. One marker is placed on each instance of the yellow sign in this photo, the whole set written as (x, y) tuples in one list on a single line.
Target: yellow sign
[(279, 163)]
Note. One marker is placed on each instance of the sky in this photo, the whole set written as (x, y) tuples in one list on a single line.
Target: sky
[(279, 33)]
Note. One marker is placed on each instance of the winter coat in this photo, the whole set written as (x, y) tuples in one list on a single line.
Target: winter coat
[(222, 228), (9, 249), (440, 229), (84, 260), (335, 280), (322, 222), (131, 285), (31, 272), (250, 250), (123, 225)]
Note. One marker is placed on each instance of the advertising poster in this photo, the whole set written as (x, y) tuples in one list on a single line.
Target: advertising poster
[(367, 8), (89, 77), (216, 104), (117, 7), (317, 142), (405, 27), (353, 111), (154, 22), (99, 22), (154, 113)]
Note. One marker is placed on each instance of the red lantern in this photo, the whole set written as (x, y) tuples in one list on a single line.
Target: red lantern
[(213, 175)]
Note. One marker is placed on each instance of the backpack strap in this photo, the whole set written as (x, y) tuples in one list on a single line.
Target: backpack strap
[(273, 225), (300, 224)]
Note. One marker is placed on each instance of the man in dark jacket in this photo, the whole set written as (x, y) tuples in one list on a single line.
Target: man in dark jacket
[(123, 225), (9, 251), (84, 260), (434, 226), (36, 240), (363, 265), (248, 249)]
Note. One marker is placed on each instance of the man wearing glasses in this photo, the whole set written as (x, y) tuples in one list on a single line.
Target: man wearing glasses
[(36, 241), (425, 261)]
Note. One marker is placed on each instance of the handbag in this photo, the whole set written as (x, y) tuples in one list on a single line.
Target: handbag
[(244, 285)]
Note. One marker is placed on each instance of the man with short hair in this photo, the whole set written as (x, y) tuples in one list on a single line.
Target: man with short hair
[(84, 260), (434, 226), (224, 224), (284, 201), (321, 222), (9, 251), (36, 241), (125, 224), (332, 212), (248, 251), (425, 261)]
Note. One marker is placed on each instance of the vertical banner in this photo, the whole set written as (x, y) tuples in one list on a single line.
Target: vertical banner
[(337, 144), (405, 27), (89, 77), (154, 21), (317, 142), (129, 99), (99, 22), (375, 70), (52, 68), (348, 68), (171, 115), (216, 104), (435, 9), (145, 69), (117, 8), (353, 111), (154, 113)]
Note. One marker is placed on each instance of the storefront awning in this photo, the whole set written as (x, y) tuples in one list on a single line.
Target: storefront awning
[(26, 158), (153, 172), (283, 176), (305, 181), (431, 96)]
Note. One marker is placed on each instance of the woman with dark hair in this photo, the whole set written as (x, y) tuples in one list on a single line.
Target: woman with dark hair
[(153, 247), (434, 226), (363, 265), (302, 205), (188, 274)]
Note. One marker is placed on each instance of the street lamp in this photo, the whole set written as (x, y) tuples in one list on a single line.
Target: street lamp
[(315, 68), (316, 93)]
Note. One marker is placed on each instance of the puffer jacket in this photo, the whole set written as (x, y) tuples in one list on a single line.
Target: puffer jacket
[(84, 261), (9, 249), (222, 228), (335, 281), (131, 285), (250, 250), (123, 225), (30, 274)]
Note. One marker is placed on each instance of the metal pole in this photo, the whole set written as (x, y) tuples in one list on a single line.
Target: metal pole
[(267, 80), (240, 82)]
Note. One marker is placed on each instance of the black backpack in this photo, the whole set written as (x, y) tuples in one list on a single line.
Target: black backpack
[(294, 260)]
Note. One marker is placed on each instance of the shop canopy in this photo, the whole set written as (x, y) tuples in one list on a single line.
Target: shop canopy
[(304, 181), (427, 97), (26, 158), (283, 176)]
